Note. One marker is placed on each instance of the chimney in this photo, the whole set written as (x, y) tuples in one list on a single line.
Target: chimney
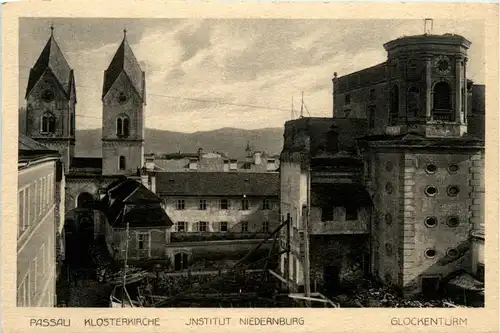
[(200, 152), (152, 182), (256, 158)]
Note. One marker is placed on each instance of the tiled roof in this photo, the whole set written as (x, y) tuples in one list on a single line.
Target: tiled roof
[(52, 58), (124, 61), (217, 183), (29, 149), (142, 207)]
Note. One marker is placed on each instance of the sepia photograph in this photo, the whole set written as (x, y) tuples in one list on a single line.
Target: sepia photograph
[(249, 169), (363, 187)]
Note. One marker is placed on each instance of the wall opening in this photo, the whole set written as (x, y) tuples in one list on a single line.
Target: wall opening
[(181, 261)]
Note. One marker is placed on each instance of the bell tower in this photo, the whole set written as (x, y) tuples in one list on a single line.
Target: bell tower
[(123, 100), (427, 85), (50, 101)]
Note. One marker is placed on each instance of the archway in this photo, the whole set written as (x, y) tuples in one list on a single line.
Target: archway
[(85, 200)]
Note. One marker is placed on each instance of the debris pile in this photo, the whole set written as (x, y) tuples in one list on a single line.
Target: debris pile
[(101, 261)]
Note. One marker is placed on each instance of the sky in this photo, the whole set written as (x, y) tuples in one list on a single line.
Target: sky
[(207, 74)]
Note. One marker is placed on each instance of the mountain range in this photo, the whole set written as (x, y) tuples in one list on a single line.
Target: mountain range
[(232, 141)]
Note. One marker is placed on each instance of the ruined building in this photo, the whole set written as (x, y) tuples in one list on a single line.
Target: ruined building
[(393, 184)]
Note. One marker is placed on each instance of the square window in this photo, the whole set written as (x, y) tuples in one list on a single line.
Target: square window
[(224, 204), (266, 204), (245, 204), (244, 226), (180, 226), (180, 204), (142, 241), (203, 204), (223, 226), (203, 226), (265, 226)]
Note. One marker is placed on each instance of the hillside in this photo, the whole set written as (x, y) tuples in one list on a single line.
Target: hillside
[(232, 141)]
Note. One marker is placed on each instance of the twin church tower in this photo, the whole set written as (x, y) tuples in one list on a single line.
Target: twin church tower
[(50, 108)]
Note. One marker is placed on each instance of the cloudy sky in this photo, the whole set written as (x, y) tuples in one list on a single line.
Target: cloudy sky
[(208, 74)]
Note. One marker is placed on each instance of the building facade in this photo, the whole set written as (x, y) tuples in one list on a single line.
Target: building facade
[(420, 157), (38, 175)]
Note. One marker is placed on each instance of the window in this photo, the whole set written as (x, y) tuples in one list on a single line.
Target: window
[(389, 166), (412, 67), (142, 241), (327, 213), (351, 213), (72, 124), (203, 226), (347, 99), (372, 94), (453, 191), (413, 101), (180, 204), (430, 222), (224, 204), (181, 261), (394, 105), (121, 163), (48, 123), (430, 168), (453, 168), (203, 204), (388, 249), (430, 253), (122, 126), (245, 204), (266, 204), (452, 253), (265, 226), (180, 226), (430, 191), (388, 188), (223, 226), (452, 222), (371, 116), (244, 226), (442, 96)]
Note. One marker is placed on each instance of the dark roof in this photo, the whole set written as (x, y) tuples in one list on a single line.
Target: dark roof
[(86, 162), (125, 61), (29, 149), (217, 183), (53, 59), (141, 206)]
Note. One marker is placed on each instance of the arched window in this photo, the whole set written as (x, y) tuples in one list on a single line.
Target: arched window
[(122, 126), (119, 126), (412, 67), (442, 102), (125, 127), (394, 111), (122, 162), (48, 123), (413, 101)]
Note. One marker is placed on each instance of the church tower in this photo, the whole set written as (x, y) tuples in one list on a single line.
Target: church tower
[(123, 100), (50, 102)]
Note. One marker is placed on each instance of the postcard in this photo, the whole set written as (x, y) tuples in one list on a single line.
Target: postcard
[(323, 167)]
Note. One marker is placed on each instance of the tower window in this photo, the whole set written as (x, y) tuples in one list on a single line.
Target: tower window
[(347, 99), (122, 162), (48, 123), (430, 222), (430, 253), (122, 126), (412, 67), (430, 168), (453, 191), (452, 222), (442, 102), (394, 106), (430, 191), (388, 219), (453, 168), (452, 253), (351, 213)]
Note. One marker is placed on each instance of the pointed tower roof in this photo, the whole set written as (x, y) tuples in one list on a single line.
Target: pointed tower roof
[(52, 59), (125, 61)]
